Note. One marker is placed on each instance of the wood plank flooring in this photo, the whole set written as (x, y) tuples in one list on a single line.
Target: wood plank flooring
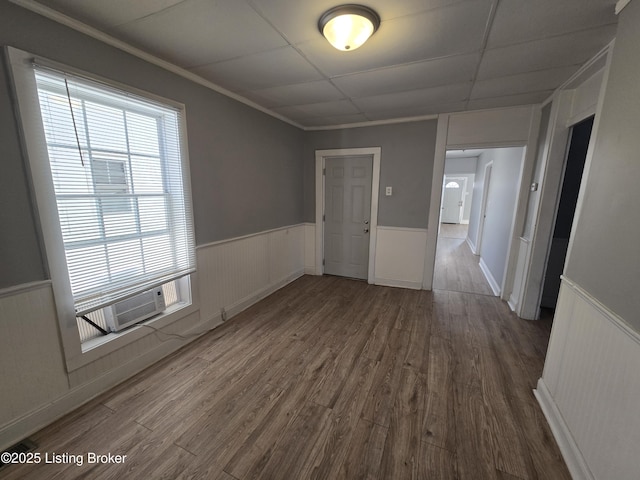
[(328, 378), (456, 268)]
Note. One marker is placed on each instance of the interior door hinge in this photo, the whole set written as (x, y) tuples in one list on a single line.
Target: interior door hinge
[(323, 217), (324, 171), (323, 261)]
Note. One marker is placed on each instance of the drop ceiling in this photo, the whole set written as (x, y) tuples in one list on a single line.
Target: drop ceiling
[(428, 57)]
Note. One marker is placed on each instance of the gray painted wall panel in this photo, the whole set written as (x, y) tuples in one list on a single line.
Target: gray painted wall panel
[(246, 166), (20, 257), (605, 258), (406, 164)]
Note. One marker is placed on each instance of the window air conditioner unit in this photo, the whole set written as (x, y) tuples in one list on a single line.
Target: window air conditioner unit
[(135, 309)]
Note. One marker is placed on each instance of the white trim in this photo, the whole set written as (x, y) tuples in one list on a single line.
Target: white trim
[(373, 123), (389, 282), (24, 288), (62, 19), (613, 317), (570, 452), (472, 247), (620, 5), (249, 235), (402, 229), (489, 276), (433, 226), (321, 155)]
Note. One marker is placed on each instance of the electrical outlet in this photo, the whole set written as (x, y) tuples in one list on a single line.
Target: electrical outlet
[(388, 191)]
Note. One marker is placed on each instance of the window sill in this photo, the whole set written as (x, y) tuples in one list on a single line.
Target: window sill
[(97, 348)]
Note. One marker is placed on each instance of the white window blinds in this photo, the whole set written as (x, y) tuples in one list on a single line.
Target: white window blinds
[(121, 192)]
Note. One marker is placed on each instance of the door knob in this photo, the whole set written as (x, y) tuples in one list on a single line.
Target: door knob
[(366, 230), (366, 222)]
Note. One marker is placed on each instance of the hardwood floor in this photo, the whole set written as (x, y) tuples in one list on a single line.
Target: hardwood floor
[(456, 268), (328, 378)]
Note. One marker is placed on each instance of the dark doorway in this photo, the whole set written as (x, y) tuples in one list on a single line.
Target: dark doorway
[(576, 157)]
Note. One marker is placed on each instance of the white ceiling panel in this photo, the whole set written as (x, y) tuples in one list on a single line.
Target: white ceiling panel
[(522, 83), (325, 109), (443, 32), (509, 101), (282, 66), (428, 57), (298, 21), (413, 76), (198, 32), (417, 111), (335, 120), (519, 21), (118, 11), (302, 93), (571, 49), (411, 99)]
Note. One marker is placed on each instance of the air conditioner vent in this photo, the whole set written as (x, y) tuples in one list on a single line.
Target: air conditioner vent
[(135, 309)]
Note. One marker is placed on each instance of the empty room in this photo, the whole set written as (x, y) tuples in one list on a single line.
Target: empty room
[(292, 240)]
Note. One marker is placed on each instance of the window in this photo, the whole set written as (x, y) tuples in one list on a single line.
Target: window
[(452, 185), (112, 187)]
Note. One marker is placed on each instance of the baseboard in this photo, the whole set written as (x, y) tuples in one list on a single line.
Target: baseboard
[(513, 304), (570, 452), (492, 281), (255, 297), (388, 282), (472, 247), (310, 270), (464, 222), (78, 396)]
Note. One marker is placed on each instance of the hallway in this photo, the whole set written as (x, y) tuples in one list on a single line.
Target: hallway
[(456, 268)]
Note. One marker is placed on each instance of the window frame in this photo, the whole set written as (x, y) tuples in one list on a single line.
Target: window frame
[(37, 165)]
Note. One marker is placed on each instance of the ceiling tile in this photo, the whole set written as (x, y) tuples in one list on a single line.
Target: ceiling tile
[(302, 93), (518, 21), (422, 110), (411, 99), (300, 23), (443, 32), (509, 101), (282, 66), (325, 109), (522, 83), (334, 120), (103, 14), (198, 32), (571, 49), (413, 76)]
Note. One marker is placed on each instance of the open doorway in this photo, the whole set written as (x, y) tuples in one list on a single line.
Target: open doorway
[(476, 219), (565, 212)]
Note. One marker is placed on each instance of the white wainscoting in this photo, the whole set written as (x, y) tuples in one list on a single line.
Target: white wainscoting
[(310, 249), (516, 293), (236, 273), (36, 388), (590, 388), (400, 255)]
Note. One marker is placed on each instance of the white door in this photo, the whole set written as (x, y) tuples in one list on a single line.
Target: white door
[(452, 200), (347, 209)]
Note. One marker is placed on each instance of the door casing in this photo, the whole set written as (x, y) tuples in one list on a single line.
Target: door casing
[(321, 155)]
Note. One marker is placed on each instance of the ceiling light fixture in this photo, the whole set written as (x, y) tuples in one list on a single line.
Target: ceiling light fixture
[(347, 27)]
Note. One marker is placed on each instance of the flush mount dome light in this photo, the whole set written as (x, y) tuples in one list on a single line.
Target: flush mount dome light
[(347, 27)]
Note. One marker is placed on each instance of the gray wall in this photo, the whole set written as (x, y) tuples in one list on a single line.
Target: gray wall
[(460, 165), (406, 164), (501, 204), (605, 256), (246, 166), (476, 199)]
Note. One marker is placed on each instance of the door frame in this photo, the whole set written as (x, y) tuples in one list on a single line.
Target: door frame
[(488, 168), (321, 155)]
